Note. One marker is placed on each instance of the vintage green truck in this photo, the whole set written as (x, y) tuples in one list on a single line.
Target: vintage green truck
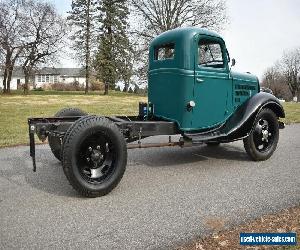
[(192, 92)]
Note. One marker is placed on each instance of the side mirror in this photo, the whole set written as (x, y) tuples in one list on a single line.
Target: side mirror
[(232, 62)]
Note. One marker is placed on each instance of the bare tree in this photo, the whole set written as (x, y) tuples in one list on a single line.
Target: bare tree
[(30, 33), (291, 68), (163, 15), (45, 32), (11, 37), (125, 66), (157, 16), (274, 79)]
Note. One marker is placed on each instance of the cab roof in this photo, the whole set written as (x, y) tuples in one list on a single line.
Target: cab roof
[(185, 33), (184, 41)]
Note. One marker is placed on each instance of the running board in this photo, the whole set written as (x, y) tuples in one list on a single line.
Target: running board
[(199, 138)]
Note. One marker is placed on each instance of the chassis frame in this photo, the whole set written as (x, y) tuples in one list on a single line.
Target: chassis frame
[(133, 128)]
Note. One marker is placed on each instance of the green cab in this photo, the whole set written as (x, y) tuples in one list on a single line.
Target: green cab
[(190, 80)]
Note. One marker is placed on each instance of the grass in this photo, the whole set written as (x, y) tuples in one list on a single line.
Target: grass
[(61, 92), (285, 221), (292, 112), (16, 108)]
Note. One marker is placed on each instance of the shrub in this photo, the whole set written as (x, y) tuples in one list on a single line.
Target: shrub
[(38, 89), (96, 84), (75, 86)]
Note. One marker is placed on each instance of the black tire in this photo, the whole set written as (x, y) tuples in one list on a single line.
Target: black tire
[(94, 156), (262, 140), (55, 142), (70, 129), (212, 143)]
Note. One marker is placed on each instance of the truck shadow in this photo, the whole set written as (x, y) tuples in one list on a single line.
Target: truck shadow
[(176, 156), (50, 178)]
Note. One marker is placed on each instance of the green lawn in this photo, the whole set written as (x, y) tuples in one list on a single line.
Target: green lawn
[(292, 112), (16, 108)]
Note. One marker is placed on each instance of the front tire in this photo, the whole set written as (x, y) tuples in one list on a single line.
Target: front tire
[(55, 143), (94, 156), (262, 140)]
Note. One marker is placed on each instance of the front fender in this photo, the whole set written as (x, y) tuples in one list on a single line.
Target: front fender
[(241, 122)]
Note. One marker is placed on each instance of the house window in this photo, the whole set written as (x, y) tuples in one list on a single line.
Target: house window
[(164, 52), (210, 54), (55, 80), (39, 78), (47, 78)]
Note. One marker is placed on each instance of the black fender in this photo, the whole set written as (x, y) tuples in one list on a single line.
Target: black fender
[(241, 122)]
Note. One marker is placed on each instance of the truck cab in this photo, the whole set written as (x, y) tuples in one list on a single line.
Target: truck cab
[(190, 80)]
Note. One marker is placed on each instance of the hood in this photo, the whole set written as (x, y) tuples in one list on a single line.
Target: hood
[(244, 77)]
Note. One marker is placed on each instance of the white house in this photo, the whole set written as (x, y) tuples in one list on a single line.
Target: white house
[(46, 76), (17, 78)]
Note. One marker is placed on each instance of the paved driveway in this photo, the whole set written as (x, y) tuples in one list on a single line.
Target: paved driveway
[(167, 197)]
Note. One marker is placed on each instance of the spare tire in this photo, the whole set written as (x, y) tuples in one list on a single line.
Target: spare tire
[(55, 142)]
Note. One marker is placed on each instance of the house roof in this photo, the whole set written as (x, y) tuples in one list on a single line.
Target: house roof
[(75, 72), (67, 72), (17, 72)]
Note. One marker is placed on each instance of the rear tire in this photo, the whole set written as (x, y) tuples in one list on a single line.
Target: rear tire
[(94, 156), (55, 142), (262, 140)]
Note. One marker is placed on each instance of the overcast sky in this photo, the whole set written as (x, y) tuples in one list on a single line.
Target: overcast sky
[(258, 33)]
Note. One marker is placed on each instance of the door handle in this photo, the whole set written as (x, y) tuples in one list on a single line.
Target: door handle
[(199, 80)]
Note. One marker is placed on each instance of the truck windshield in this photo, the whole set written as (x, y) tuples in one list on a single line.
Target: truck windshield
[(210, 54)]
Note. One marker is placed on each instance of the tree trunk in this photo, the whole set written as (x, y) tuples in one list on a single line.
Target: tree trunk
[(87, 78), (9, 76), (6, 84), (110, 82), (87, 47), (126, 85), (106, 89), (4, 80), (26, 85)]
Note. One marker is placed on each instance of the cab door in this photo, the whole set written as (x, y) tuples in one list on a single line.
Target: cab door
[(212, 83)]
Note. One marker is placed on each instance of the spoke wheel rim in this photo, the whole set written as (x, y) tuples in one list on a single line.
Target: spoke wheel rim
[(264, 134), (96, 158)]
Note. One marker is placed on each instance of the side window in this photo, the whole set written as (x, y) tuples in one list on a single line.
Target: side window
[(210, 54), (163, 52)]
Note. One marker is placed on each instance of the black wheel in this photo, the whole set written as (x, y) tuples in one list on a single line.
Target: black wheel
[(94, 156), (212, 143), (55, 142), (263, 139)]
